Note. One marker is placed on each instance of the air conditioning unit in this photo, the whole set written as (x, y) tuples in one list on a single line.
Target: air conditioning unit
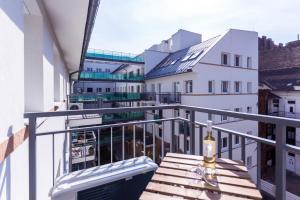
[(119, 180), (75, 106)]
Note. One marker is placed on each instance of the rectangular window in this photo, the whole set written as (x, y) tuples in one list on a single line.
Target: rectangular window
[(187, 114), (238, 86), (247, 139), (249, 109), (107, 70), (249, 62), (211, 87), (99, 70), (89, 90), (249, 87), (276, 103), (236, 140), (224, 142), (224, 117), (138, 72), (225, 86), (152, 87), (89, 69), (159, 88), (176, 112), (249, 162), (237, 60), (225, 59), (99, 89), (188, 86), (107, 89)]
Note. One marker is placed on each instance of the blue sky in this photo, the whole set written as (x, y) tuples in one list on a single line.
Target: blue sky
[(134, 25)]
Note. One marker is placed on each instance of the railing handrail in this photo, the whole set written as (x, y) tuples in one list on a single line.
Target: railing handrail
[(243, 115)]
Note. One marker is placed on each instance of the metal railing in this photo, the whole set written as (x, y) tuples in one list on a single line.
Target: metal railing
[(286, 114), (192, 125), (106, 76), (111, 97), (114, 56), (169, 97)]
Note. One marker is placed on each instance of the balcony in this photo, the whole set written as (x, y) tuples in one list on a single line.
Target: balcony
[(122, 117), (114, 56), (169, 97), (111, 97), (106, 76), (286, 114), (141, 130)]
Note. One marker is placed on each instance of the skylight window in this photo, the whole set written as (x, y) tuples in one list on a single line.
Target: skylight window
[(185, 58), (174, 61), (195, 55)]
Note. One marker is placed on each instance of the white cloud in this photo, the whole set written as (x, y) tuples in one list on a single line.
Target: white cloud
[(134, 25)]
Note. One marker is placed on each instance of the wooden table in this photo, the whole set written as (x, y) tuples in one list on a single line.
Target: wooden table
[(175, 180)]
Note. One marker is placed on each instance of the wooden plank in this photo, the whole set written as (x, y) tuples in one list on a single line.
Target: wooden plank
[(196, 163), (187, 192), (223, 188), (192, 175), (222, 172), (152, 196), (195, 157)]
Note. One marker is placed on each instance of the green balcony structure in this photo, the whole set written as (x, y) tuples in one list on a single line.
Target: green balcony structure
[(106, 76)]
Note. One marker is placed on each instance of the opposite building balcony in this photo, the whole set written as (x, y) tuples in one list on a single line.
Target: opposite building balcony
[(121, 57), (286, 114), (169, 97), (112, 97), (106, 76)]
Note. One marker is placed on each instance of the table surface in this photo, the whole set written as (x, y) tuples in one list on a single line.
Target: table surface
[(175, 180)]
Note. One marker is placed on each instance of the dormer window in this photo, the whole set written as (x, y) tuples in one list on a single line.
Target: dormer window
[(225, 57), (185, 58), (237, 60)]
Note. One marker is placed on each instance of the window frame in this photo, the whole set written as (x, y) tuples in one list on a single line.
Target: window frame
[(224, 148), (222, 87), (212, 86), (249, 87), (189, 86), (227, 59), (249, 62), (239, 60), (239, 87)]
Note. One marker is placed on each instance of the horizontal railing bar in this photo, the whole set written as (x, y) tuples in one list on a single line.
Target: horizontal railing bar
[(292, 148), (97, 111), (104, 126), (246, 116), (224, 130)]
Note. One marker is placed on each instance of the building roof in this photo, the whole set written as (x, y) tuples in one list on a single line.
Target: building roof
[(181, 61), (123, 66), (287, 79)]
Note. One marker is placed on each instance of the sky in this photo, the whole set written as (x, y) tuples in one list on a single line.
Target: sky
[(135, 25)]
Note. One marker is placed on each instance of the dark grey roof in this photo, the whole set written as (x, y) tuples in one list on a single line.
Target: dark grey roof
[(167, 67), (123, 66), (281, 79)]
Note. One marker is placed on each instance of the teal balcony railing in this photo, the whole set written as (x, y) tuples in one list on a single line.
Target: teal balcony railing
[(119, 117), (111, 96), (114, 56), (110, 77)]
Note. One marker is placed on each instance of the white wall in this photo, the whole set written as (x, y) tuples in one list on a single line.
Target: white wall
[(14, 169)]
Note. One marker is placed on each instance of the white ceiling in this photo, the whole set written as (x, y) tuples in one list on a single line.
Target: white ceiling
[(68, 18)]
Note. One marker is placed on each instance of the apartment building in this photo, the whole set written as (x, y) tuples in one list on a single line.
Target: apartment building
[(221, 72), (92, 86), (41, 44), (279, 95)]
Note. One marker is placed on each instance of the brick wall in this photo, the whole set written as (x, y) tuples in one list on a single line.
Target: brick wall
[(272, 56)]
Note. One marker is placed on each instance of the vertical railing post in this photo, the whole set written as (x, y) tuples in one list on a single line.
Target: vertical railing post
[(53, 159), (70, 151), (219, 144), (111, 145), (84, 149), (184, 136), (230, 146), (162, 141), (99, 163), (280, 167), (200, 140), (123, 143), (243, 149), (32, 158), (173, 136), (153, 145), (258, 165), (144, 139), (134, 153), (192, 132)]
